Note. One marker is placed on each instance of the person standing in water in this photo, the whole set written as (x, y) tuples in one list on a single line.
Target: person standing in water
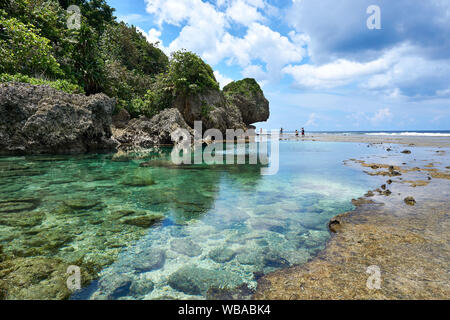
[(303, 132), (296, 133), (281, 131)]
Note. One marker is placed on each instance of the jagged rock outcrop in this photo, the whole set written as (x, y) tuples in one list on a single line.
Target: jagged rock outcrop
[(42, 120), (239, 105), (212, 108), (39, 119), (248, 97), (145, 133)]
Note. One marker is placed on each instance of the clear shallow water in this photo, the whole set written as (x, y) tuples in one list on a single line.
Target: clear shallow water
[(219, 227)]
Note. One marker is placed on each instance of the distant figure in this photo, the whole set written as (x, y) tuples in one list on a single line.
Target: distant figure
[(296, 133), (303, 132), (281, 131), (260, 131)]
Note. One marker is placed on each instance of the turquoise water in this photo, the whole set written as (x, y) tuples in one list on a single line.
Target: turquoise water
[(165, 232)]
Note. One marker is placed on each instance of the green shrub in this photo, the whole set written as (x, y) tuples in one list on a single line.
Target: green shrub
[(189, 74), (247, 87), (152, 103), (23, 50), (206, 109), (128, 46), (62, 85)]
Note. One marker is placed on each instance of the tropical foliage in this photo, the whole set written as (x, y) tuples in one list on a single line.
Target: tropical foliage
[(102, 55)]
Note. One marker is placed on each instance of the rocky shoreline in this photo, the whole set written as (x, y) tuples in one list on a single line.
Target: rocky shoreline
[(37, 119), (400, 229)]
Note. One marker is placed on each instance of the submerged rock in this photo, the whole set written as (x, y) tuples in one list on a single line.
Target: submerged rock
[(138, 181), (406, 151), (22, 219), (39, 119), (268, 224), (312, 239), (142, 287), (36, 279), (243, 292), (115, 286), (221, 255), (150, 259), (144, 221), (81, 204), (274, 260), (250, 257), (196, 281), (18, 205), (186, 247)]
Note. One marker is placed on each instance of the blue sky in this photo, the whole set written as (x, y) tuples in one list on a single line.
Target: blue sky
[(319, 65)]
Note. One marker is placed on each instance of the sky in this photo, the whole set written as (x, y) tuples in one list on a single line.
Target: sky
[(318, 63)]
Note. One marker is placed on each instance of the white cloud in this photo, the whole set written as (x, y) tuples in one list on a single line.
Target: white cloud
[(311, 120), (336, 73), (206, 29), (444, 92), (154, 36), (244, 13), (223, 81), (399, 72), (381, 115), (132, 18)]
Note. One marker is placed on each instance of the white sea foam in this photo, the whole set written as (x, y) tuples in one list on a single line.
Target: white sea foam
[(415, 134)]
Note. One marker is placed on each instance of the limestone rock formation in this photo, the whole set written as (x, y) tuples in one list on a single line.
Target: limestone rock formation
[(39, 120), (144, 132), (248, 97)]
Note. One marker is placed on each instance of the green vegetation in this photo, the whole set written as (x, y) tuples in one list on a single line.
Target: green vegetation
[(103, 55), (248, 87), (62, 85), (190, 74), (206, 109)]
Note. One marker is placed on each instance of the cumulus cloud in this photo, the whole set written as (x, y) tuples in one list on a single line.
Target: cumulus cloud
[(381, 115), (154, 36), (223, 81), (338, 28), (208, 30), (244, 12), (398, 72)]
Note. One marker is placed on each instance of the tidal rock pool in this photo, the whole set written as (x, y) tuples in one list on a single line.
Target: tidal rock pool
[(140, 227)]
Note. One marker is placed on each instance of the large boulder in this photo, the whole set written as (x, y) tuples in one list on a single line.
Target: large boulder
[(39, 119), (210, 107), (145, 133), (248, 97)]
